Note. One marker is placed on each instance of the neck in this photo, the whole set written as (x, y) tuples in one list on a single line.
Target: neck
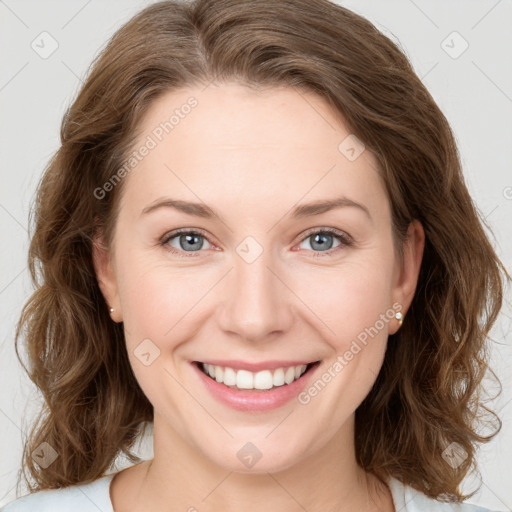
[(181, 478)]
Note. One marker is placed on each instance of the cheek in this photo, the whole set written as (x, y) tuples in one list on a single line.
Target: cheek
[(167, 303), (159, 307), (354, 310), (157, 300), (348, 299)]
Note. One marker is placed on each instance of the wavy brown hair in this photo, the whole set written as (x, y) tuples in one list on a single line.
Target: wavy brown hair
[(429, 391)]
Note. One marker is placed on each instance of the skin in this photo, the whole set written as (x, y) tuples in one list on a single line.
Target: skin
[(252, 157)]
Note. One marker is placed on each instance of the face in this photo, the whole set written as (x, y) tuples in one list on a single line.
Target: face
[(254, 276)]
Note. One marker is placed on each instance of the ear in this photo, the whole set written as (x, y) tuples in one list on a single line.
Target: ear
[(105, 274), (408, 269)]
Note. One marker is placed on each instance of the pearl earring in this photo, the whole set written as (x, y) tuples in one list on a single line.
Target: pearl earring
[(400, 318), (111, 310)]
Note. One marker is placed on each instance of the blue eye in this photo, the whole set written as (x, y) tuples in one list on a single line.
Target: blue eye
[(191, 241), (187, 240), (322, 240)]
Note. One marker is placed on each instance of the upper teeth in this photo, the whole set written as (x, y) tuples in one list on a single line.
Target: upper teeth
[(244, 379)]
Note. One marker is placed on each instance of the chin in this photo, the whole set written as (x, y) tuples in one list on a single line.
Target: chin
[(253, 458)]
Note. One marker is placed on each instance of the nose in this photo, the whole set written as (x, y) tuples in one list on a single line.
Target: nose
[(257, 301)]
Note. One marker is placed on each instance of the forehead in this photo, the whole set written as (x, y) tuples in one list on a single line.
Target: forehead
[(267, 144), (232, 115)]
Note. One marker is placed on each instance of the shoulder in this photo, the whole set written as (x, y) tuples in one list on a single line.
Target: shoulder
[(89, 497), (408, 499)]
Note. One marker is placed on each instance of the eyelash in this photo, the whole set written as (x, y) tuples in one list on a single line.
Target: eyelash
[(345, 240)]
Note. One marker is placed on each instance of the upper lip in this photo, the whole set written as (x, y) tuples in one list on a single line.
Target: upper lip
[(255, 367)]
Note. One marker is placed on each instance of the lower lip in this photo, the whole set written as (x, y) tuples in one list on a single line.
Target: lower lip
[(255, 400)]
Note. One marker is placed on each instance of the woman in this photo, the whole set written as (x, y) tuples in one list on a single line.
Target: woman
[(256, 237)]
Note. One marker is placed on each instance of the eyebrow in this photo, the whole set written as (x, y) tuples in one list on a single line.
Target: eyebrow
[(301, 211)]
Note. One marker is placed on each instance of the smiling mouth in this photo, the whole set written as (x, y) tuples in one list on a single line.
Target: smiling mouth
[(256, 381)]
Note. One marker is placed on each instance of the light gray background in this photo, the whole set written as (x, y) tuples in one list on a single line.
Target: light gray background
[(474, 91)]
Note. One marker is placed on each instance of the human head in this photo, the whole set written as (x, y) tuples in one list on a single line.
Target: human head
[(365, 79)]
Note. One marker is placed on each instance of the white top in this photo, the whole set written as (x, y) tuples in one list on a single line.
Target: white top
[(95, 497)]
